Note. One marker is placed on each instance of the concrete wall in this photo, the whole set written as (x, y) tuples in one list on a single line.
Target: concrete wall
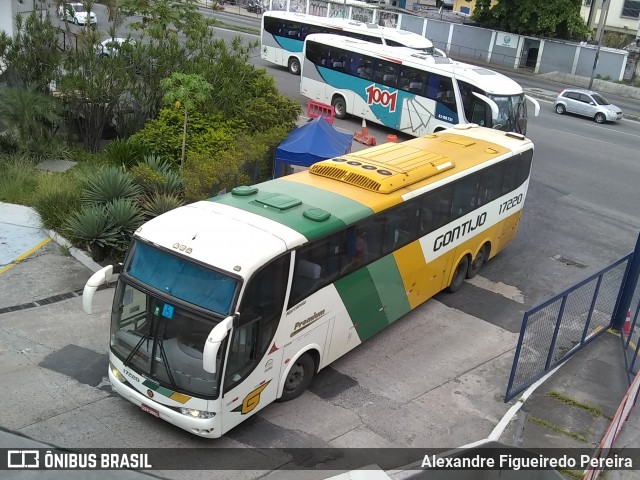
[(470, 42), (8, 9), (438, 33), (557, 57)]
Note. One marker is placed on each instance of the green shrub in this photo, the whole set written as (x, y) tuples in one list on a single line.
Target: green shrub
[(149, 180), (92, 228), (18, 180), (125, 152), (171, 181), (48, 150), (161, 203), (109, 184), (127, 217), (56, 197), (8, 142), (205, 176)]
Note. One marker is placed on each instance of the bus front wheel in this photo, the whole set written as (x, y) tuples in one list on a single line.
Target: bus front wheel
[(299, 377), (459, 275), (294, 66), (339, 107)]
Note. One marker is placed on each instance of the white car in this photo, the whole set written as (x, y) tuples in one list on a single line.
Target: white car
[(111, 46), (76, 13), (588, 104)]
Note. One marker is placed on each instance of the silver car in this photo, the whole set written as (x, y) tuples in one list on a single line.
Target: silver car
[(587, 103)]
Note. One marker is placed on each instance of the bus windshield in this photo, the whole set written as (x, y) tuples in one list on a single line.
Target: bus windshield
[(162, 341), (512, 113), (172, 275)]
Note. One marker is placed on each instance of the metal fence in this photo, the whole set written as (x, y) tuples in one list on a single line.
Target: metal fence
[(554, 330), (630, 309)]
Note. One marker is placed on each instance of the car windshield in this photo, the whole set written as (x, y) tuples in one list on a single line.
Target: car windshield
[(163, 341), (78, 7), (599, 99)]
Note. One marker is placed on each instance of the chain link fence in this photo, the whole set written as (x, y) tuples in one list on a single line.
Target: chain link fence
[(557, 328)]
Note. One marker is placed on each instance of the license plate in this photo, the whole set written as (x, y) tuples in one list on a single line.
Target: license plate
[(150, 410)]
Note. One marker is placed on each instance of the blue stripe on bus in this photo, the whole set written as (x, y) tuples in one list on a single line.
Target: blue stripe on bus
[(289, 44)]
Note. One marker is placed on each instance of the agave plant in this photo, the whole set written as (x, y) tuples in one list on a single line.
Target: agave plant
[(127, 217), (161, 203), (125, 152), (110, 184), (91, 227), (172, 182)]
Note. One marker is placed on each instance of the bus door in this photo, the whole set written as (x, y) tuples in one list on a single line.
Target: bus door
[(253, 366)]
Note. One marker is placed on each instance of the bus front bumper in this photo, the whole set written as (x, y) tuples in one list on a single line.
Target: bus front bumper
[(203, 427)]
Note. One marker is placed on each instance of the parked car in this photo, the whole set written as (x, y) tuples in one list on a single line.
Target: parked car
[(254, 6), (111, 46), (587, 103), (76, 13)]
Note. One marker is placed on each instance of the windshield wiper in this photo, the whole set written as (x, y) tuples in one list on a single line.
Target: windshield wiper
[(143, 337), (164, 359)]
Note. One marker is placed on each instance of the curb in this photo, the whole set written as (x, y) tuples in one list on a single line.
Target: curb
[(76, 253)]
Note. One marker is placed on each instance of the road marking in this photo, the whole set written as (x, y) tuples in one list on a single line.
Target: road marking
[(24, 255), (507, 291)]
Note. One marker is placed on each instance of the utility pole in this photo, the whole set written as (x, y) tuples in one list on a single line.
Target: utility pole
[(604, 11)]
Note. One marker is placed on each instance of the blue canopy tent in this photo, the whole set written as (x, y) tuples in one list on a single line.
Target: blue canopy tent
[(314, 141)]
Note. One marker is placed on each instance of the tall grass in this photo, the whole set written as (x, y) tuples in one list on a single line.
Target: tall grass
[(56, 197), (18, 180)]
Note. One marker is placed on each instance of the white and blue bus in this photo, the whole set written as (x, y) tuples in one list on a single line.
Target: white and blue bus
[(283, 33), (412, 92)]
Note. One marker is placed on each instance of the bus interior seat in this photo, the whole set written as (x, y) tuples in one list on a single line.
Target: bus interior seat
[(389, 78), (337, 64), (415, 87)]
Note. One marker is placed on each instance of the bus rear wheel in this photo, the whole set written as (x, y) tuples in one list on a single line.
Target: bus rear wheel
[(294, 66), (339, 107), (299, 377), (476, 265), (459, 275)]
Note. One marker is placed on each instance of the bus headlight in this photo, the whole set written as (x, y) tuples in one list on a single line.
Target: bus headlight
[(116, 373), (192, 412)]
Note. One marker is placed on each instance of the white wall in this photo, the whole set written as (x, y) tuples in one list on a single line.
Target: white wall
[(7, 14)]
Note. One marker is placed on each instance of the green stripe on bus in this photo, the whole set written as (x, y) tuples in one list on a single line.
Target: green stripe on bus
[(346, 209), (359, 295), (386, 277), (342, 209)]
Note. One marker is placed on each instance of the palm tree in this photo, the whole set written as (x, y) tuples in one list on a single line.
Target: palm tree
[(32, 114), (185, 91)]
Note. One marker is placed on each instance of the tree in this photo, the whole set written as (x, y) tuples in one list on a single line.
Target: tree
[(32, 56), (31, 114), (185, 91), (92, 88), (544, 18)]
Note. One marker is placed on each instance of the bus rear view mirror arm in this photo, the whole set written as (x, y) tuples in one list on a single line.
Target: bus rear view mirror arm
[(214, 340), (494, 106), (536, 105), (97, 279)]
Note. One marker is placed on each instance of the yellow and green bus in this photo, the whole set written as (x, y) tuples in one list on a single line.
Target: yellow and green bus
[(226, 305)]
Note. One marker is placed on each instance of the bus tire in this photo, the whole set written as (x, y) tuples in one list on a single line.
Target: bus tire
[(298, 378), (476, 264), (294, 66), (459, 275), (339, 107)]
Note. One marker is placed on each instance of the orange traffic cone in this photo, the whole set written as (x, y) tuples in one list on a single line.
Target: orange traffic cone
[(627, 323), (363, 135)]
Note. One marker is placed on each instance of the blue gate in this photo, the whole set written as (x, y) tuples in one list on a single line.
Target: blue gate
[(557, 328)]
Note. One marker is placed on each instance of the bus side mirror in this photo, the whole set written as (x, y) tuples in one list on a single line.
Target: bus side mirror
[(495, 111), (212, 345), (536, 105), (99, 278)]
